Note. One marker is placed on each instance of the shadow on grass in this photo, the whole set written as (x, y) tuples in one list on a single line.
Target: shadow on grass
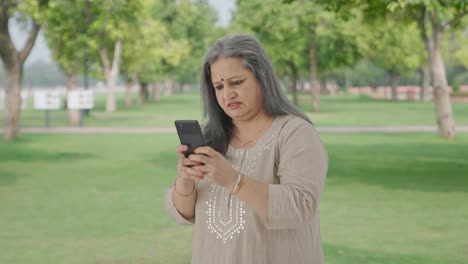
[(19, 151), (340, 254), (406, 166), (7, 177)]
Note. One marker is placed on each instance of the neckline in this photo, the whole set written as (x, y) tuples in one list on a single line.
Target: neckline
[(260, 141)]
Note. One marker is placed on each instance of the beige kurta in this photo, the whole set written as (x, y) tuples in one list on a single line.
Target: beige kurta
[(290, 157)]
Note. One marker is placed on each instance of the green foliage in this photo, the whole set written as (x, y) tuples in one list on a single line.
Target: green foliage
[(286, 30), (149, 46), (191, 23), (395, 46), (277, 27), (34, 9), (66, 33), (365, 73)]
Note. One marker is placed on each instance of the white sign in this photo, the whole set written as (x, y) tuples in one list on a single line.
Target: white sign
[(47, 100), (80, 99), (24, 100)]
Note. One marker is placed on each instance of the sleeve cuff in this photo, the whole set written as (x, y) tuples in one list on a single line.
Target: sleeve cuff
[(171, 210)]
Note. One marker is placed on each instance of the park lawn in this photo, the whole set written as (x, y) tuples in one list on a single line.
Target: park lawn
[(389, 198), (342, 110)]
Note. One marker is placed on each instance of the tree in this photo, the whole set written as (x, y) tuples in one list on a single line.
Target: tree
[(300, 31), (109, 24), (65, 31), (277, 27), (436, 18), (13, 59), (195, 22), (395, 47), (150, 50), (191, 23)]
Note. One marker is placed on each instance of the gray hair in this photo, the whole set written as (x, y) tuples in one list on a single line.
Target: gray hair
[(219, 128)]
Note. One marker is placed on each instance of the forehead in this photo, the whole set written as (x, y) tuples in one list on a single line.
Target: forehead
[(227, 67)]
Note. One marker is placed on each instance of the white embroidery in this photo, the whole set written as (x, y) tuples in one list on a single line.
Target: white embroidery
[(224, 228), (226, 214)]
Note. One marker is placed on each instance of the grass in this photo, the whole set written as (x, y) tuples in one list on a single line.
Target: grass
[(347, 110), (343, 110), (389, 198)]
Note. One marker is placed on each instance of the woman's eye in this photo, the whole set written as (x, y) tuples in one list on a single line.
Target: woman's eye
[(218, 87), (237, 82)]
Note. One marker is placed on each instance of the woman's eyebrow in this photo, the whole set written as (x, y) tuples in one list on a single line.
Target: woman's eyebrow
[(228, 78)]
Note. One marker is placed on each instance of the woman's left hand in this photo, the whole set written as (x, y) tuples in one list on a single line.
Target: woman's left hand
[(215, 167)]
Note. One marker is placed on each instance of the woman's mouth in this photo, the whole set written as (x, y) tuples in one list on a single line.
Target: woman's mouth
[(234, 105)]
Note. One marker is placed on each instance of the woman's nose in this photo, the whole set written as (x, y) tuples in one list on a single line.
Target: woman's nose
[(228, 92)]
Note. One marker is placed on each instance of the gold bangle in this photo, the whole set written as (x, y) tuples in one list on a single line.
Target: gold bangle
[(238, 186), (184, 195)]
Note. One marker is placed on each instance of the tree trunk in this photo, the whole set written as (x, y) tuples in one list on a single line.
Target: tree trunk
[(73, 114), (13, 61), (12, 113), (323, 85), (315, 86), (129, 91), (168, 87), (144, 93), (111, 72), (177, 87), (394, 80), (294, 77), (424, 82), (443, 105), (347, 79), (186, 87), (156, 92)]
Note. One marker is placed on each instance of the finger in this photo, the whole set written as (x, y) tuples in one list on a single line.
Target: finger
[(200, 158), (188, 162), (202, 168), (208, 151), (181, 149), (191, 172), (197, 178)]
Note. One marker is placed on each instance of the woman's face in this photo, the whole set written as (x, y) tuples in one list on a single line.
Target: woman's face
[(237, 90)]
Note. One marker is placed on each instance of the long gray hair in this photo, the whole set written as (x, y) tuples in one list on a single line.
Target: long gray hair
[(219, 128)]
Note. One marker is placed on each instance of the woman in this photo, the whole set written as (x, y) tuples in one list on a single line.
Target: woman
[(253, 191)]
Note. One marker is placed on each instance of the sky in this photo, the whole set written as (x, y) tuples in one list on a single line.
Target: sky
[(40, 51)]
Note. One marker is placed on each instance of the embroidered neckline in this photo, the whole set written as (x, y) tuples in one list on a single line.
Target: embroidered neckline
[(262, 141)]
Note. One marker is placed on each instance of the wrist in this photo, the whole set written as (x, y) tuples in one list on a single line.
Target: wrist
[(184, 186), (232, 182)]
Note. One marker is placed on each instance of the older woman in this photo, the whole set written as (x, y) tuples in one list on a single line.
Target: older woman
[(253, 192)]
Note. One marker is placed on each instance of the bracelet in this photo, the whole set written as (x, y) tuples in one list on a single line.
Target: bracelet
[(184, 195), (236, 184), (239, 184)]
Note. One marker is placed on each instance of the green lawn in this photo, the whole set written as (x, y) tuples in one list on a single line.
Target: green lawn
[(344, 110), (389, 198)]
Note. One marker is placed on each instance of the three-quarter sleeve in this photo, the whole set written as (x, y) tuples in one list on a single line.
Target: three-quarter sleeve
[(172, 211), (302, 164)]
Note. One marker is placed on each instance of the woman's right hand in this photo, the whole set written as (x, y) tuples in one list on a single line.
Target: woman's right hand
[(185, 174)]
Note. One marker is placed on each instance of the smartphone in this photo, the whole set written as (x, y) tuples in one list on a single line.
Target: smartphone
[(190, 134)]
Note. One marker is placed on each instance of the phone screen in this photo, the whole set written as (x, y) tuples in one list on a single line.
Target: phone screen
[(190, 134)]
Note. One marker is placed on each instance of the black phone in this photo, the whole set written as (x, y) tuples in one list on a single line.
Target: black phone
[(190, 134)]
